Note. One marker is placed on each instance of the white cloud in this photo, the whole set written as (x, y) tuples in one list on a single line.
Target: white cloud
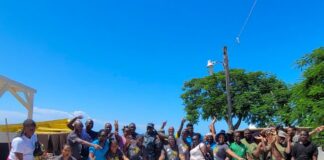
[(45, 114), (12, 116), (40, 114)]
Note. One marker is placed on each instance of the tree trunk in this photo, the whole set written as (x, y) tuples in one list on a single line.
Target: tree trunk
[(229, 124), (238, 123)]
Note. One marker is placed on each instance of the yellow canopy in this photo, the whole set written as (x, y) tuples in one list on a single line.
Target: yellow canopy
[(44, 127)]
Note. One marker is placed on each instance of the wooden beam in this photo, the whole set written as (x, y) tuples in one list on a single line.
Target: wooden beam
[(13, 92), (13, 87), (12, 82), (30, 100), (3, 88)]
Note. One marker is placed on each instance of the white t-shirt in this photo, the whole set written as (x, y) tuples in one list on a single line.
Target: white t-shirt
[(320, 153), (23, 145), (196, 154)]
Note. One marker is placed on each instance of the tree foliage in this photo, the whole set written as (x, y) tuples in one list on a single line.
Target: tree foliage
[(308, 95), (256, 97)]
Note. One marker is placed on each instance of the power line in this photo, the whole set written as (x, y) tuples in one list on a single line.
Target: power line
[(237, 39)]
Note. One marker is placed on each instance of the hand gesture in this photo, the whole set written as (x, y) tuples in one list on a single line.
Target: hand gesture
[(273, 140), (258, 137), (262, 139), (97, 147), (319, 129), (116, 125), (214, 120), (183, 120), (164, 124)]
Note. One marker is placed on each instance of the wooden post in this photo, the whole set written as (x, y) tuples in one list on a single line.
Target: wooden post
[(7, 132), (228, 93)]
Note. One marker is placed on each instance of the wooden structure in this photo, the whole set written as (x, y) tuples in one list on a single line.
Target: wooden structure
[(14, 87)]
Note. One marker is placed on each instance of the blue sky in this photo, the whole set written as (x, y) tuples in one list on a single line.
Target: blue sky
[(128, 60)]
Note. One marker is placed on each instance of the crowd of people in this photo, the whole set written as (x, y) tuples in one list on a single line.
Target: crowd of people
[(275, 143)]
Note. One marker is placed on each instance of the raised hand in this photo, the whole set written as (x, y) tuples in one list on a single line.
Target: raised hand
[(116, 125), (183, 120), (214, 120), (320, 129), (164, 124)]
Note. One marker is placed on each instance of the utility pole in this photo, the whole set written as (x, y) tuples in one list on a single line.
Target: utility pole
[(228, 93), (210, 66)]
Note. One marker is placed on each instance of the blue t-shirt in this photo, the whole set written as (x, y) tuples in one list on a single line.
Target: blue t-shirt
[(189, 140), (101, 153), (213, 146)]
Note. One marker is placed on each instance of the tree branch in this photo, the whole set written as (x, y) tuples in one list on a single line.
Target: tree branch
[(238, 123)]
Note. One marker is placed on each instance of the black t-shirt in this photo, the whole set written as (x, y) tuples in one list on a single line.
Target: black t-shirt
[(152, 146), (134, 135), (93, 134), (304, 151)]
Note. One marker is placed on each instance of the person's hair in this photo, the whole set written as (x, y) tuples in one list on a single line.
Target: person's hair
[(175, 140), (189, 125), (111, 142), (292, 127), (29, 122), (124, 127), (222, 133), (26, 123), (307, 132), (66, 145), (78, 121), (198, 135), (88, 121), (237, 132), (279, 127), (100, 131)]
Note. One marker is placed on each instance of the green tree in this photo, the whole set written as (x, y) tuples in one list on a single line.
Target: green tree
[(256, 97), (308, 95)]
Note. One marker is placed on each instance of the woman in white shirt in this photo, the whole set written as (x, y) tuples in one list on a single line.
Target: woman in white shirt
[(23, 146), (198, 150)]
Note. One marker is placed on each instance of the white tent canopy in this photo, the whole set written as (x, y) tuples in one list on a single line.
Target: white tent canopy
[(14, 87)]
